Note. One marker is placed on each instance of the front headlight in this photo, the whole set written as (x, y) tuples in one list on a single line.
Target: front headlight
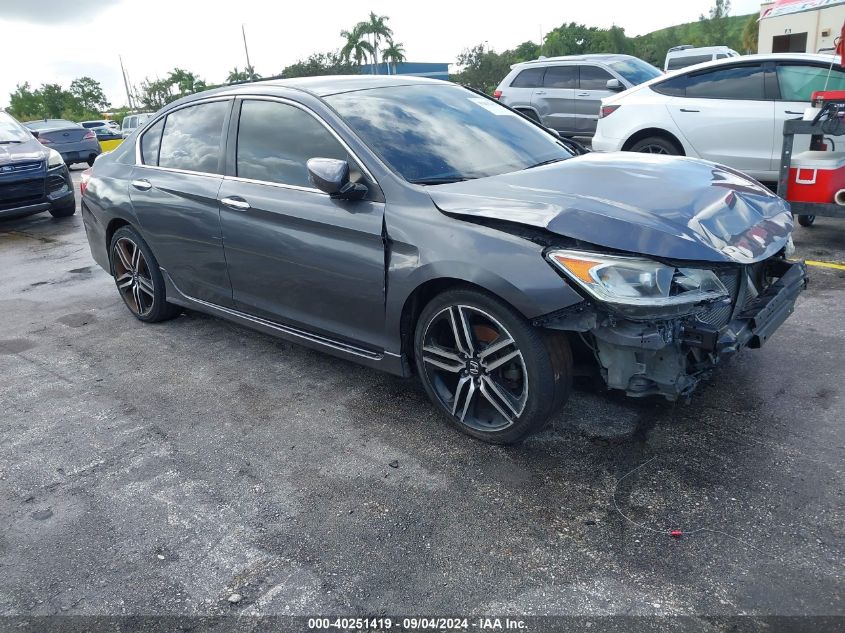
[(54, 160), (638, 285)]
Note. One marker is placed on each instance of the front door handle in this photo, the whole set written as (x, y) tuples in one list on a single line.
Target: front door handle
[(792, 112), (583, 94), (142, 185), (236, 202), (688, 110), (539, 92)]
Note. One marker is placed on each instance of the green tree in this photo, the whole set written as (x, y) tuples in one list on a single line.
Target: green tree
[(178, 83), (55, 100), (750, 34), (527, 51), (483, 70), (25, 103), (714, 29), (247, 74), (356, 48), (377, 30), (89, 94), (393, 54), (331, 63)]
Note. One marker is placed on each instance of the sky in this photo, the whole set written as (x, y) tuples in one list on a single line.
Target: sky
[(59, 40)]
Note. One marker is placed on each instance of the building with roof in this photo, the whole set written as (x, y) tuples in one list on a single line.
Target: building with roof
[(800, 26), (418, 69)]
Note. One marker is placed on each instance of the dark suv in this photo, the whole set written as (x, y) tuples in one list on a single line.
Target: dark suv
[(33, 178), (415, 226)]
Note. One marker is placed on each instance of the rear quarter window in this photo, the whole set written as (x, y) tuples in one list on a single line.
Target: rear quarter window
[(529, 78)]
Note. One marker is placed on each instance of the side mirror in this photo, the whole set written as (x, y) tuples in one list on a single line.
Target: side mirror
[(331, 176), (615, 85), (553, 132)]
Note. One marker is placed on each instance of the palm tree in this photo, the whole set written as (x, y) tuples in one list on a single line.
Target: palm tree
[(247, 74), (376, 27), (394, 53), (356, 47)]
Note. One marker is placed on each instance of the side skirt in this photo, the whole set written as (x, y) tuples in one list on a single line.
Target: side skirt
[(382, 360)]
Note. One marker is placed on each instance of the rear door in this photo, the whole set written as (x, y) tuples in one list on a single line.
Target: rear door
[(727, 118), (796, 84), (295, 255), (174, 195), (555, 99), (592, 88), (521, 91)]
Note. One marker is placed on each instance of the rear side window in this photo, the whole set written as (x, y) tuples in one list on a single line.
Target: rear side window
[(193, 136), (594, 78), (150, 143), (275, 141), (530, 78), (798, 83), (561, 77), (674, 87), (739, 82)]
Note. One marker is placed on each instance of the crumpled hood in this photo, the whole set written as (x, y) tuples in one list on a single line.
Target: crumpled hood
[(663, 206), (22, 152)]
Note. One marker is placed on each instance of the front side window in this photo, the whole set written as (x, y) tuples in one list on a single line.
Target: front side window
[(689, 60), (594, 78), (798, 83), (739, 82), (150, 143), (561, 77), (276, 140), (193, 136), (433, 134), (531, 78)]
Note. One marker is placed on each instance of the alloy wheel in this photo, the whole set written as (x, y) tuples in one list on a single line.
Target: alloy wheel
[(475, 367), (653, 149), (132, 276)]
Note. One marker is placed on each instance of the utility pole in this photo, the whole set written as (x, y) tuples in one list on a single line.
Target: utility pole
[(126, 84), (246, 49)]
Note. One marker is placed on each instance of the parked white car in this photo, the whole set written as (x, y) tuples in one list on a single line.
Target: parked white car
[(679, 57), (729, 111)]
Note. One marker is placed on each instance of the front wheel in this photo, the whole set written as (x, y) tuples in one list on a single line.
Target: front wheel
[(487, 369), (138, 277)]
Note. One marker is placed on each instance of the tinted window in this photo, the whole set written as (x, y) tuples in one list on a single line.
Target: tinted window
[(150, 143), (531, 78), (192, 137), (798, 83), (743, 82), (561, 77), (128, 123), (674, 87), (594, 78), (635, 71), (432, 134), (276, 140), (689, 60)]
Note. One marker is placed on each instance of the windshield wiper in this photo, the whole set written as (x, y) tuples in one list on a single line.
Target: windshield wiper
[(437, 181), (546, 162)]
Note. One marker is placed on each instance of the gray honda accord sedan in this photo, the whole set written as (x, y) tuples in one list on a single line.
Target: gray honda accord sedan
[(415, 226)]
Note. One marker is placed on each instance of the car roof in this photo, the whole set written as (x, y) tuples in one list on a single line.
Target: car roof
[(680, 52), (51, 124), (742, 59), (597, 57)]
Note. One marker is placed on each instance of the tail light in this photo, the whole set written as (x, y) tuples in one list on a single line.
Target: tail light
[(83, 181), (89, 136), (606, 111), (497, 94)]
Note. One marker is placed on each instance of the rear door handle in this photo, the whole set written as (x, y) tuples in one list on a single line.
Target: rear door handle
[(792, 112), (142, 185), (688, 110), (236, 202), (583, 94), (539, 92)]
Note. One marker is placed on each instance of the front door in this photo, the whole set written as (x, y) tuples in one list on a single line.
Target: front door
[(295, 255), (555, 99)]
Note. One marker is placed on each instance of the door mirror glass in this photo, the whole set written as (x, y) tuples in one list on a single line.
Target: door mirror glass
[(615, 85), (331, 176)]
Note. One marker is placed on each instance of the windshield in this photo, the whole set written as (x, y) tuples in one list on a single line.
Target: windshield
[(50, 124), (636, 71), (433, 134), (11, 131)]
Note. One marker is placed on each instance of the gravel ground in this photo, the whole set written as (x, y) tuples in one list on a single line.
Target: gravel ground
[(161, 469)]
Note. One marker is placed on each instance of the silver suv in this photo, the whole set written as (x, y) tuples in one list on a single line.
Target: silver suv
[(565, 93)]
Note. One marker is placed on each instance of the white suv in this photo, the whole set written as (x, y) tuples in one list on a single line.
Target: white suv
[(729, 111)]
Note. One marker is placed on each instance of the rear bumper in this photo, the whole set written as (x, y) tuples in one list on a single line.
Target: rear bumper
[(603, 143)]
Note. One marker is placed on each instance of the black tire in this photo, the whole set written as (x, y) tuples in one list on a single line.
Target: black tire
[(531, 115), (536, 381), (65, 211), (138, 277), (656, 145), (806, 220), (91, 160)]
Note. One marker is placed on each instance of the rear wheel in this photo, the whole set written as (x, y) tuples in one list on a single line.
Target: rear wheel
[(806, 220), (138, 277), (488, 370), (656, 145)]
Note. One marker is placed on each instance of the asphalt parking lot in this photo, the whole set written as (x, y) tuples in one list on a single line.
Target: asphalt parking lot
[(159, 469)]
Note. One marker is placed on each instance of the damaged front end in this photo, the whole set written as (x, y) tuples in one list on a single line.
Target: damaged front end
[(658, 328)]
